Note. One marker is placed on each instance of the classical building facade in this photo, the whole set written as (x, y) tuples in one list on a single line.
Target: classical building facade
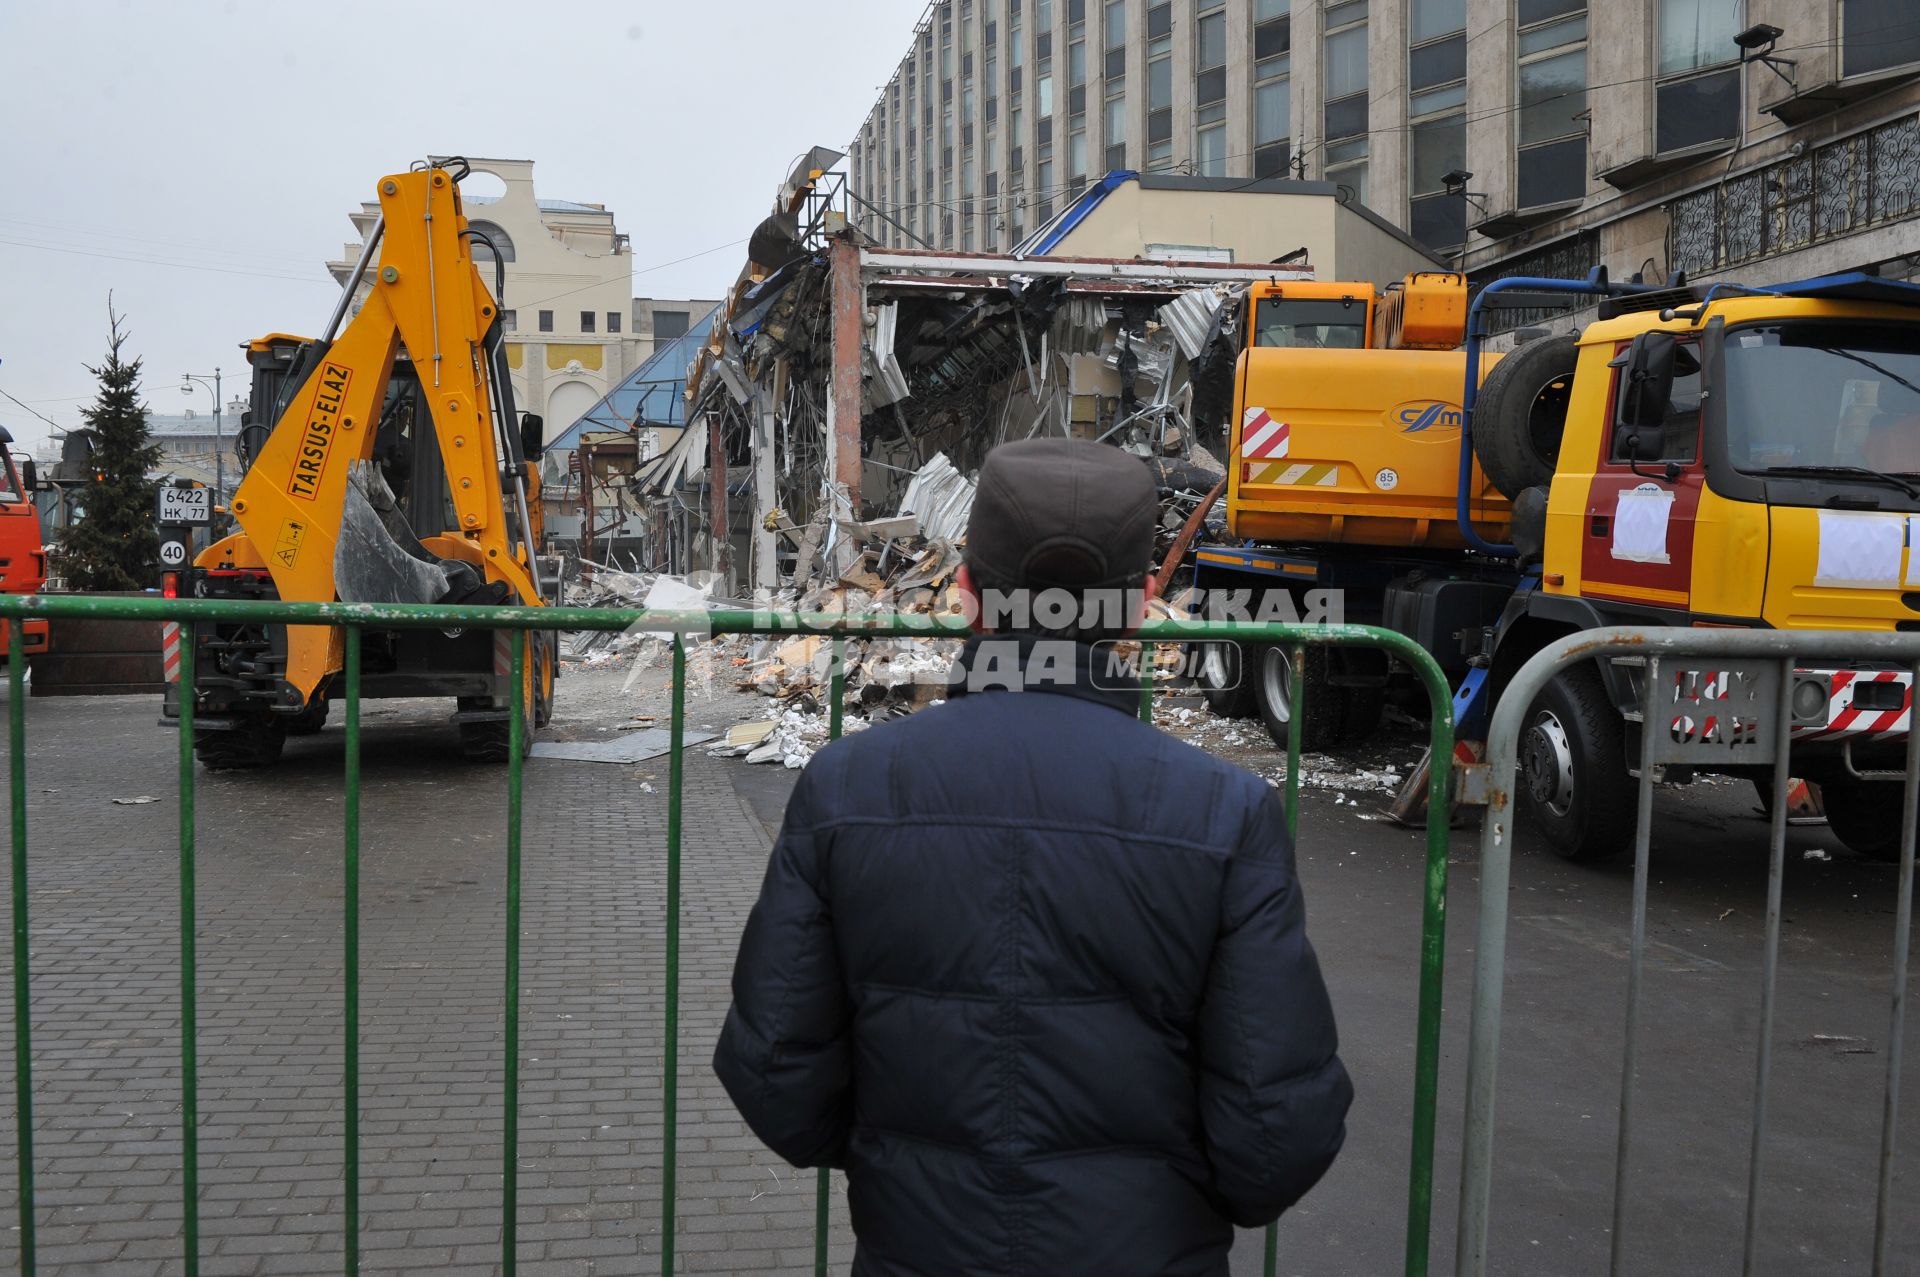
[(1714, 136), (576, 328)]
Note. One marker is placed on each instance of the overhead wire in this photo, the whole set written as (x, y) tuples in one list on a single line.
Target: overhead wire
[(36, 412)]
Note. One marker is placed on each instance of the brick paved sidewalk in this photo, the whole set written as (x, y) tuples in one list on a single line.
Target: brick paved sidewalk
[(106, 1012)]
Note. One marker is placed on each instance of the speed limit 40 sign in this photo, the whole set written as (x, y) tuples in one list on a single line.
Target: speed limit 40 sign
[(173, 553)]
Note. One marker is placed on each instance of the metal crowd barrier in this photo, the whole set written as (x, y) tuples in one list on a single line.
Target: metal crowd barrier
[(356, 617), (1744, 679)]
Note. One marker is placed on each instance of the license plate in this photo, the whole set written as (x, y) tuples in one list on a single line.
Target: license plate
[(186, 505)]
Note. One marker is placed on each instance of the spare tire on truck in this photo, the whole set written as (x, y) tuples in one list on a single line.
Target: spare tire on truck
[(1521, 412)]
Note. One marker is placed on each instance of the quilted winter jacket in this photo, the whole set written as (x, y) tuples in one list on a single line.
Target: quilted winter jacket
[(1037, 976)]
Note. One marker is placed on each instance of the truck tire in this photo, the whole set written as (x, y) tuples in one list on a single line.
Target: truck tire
[(1573, 782), (254, 741), (310, 720), (1225, 683), (1864, 814), (1521, 412), (1326, 705)]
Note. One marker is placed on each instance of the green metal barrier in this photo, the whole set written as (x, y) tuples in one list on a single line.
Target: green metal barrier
[(355, 618)]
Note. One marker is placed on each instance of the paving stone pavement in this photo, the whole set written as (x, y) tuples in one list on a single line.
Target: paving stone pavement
[(106, 1031)]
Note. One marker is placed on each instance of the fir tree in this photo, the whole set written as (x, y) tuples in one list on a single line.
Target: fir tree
[(115, 546)]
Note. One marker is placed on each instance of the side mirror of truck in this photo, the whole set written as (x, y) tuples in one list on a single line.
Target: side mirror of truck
[(1646, 384), (533, 428), (29, 476)]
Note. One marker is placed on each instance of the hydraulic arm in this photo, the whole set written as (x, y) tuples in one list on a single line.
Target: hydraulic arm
[(425, 296)]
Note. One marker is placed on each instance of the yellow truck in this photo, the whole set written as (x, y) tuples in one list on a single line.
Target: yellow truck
[(1697, 456)]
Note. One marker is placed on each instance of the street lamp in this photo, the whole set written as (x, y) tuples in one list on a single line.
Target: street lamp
[(219, 447)]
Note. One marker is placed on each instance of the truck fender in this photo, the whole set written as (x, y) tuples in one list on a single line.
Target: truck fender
[(1532, 620)]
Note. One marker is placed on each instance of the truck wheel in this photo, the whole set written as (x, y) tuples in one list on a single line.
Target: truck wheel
[(255, 741), (1326, 705), (1573, 781), (310, 720), (1224, 681), (1864, 814), (1521, 412)]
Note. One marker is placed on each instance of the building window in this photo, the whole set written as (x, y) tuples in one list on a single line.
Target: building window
[(1159, 150), (546, 321), (1878, 34), (1697, 99), (509, 322), (613, 321), (586, 321), (1272, 105), (1436, 79), (1552, 166), (1210, 59), (1114, 42), (1347, 166), (1115, 132), (1437, 53), (1345, 70), (1077, 78), (497, 240), (1210, 144), (1438, 219)]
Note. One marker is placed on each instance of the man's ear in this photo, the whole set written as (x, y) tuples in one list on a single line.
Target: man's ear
[(970, 594)]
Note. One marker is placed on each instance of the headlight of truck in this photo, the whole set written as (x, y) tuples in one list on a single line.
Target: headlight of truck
[(1811, 695)]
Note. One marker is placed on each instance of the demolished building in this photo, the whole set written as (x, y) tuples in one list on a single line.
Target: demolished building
[(846, 392), (857, 388)]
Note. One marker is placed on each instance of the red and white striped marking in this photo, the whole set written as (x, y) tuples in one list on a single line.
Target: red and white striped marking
[(503, 653), (1262, 436), (1844, 720), (170, 650)]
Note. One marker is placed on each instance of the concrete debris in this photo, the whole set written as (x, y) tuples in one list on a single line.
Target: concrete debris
[(790, 739)]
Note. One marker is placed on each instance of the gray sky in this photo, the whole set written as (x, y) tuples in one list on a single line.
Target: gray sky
[(199, 159)]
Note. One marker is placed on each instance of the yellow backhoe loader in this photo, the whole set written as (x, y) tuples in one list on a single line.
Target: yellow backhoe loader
[(384, 463)]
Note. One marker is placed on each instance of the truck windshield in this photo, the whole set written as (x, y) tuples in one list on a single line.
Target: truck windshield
[(1829, 396), (1310, 321), (9, 481)]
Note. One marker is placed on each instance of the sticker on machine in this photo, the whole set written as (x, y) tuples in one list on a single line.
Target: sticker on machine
[(1640, 524), (1860, 549), (1298, 475), (1261, 436), (287, 547)]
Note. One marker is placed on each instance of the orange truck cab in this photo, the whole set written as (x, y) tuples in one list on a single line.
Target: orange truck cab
[(1342, 487), (23, 558), (1721, 456)]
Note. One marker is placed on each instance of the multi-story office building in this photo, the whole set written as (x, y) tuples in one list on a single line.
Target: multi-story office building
[(1544, 135)]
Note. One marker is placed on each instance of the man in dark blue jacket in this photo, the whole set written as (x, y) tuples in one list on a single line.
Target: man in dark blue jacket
[(1035, 974)]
